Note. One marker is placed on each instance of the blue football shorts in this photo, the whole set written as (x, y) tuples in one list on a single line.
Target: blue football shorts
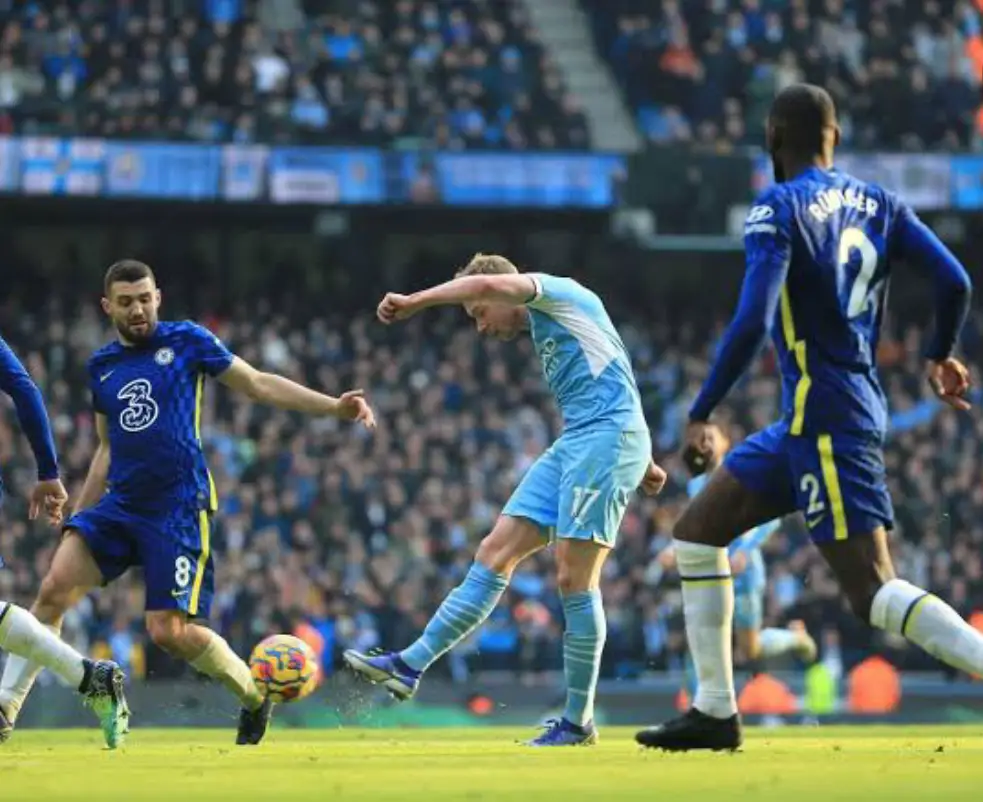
[(172, 547), (580, 487), (838, 482)]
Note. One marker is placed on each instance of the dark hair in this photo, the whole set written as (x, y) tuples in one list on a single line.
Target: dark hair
[(127, 270), (801, 114)]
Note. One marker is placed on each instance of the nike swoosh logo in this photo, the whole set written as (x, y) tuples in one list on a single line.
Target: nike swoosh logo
[(815, 521), (106, 375), (178, 593)]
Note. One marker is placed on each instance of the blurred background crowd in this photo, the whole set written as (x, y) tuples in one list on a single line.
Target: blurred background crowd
[(905, 74), (352, 538), (359, 72), (476, 74)]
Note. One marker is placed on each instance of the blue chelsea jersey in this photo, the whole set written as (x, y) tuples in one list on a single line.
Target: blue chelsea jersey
[(151, 396), (838, 236), (585, 363)]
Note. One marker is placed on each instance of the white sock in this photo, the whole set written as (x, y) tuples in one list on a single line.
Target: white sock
[(32, 646), (901, 608), (220, 662), (708, 604), (776, 642)]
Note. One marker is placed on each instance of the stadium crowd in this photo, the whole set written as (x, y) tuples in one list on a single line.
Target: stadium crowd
[(905, 73), (364, 72), (354, 537)]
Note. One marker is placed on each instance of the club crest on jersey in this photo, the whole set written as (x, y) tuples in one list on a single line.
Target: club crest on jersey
[(164, 356)]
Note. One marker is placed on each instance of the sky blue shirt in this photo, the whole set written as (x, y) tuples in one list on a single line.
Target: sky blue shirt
[(584, 360)]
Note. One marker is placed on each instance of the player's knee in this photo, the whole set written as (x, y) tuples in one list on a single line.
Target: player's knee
[(861, 599), (167, 633), (54, 598), (686, 528), (495, 554), (569, 580)]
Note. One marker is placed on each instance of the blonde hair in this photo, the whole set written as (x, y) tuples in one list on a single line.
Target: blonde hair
[(484, 264)]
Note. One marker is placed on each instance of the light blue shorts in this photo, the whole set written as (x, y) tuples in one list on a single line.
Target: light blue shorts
[(580, 487), (749, 610)]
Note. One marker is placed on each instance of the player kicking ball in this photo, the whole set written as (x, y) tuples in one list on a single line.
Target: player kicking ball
[(21, 634), (820, 245), (747, 566), (149, 498), (578, 489)]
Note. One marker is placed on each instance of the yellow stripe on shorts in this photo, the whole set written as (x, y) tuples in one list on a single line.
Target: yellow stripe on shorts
[(832, 481), (204, 527)]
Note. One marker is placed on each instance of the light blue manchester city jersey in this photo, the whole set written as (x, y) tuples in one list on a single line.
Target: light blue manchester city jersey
[(584, 360)]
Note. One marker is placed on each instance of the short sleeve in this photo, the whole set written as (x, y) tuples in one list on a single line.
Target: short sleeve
[(768, 229), (553, 290), (93, 370), (210, 353)]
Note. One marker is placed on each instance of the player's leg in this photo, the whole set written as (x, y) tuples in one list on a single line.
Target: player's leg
[(99, 682), (72, 574), (749, 489), (852, 512), (519, 532), (180, 580), (863, 566), (463, 610), (754, 643), (210, 654), (601, 472)]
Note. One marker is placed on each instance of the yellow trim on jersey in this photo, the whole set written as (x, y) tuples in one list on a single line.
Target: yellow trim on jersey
[(832, 481), (204, 530), (199, 399), (798, 348)]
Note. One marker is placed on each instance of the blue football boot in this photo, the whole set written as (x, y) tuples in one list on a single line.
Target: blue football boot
[(386, 669), (560, 732)]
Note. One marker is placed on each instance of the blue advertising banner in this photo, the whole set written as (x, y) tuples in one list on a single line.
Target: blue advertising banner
[(185, 172), (9, 174), (967, 182), (50, 166), (534, 180), (244, 170), (326, 175), (922, 180)]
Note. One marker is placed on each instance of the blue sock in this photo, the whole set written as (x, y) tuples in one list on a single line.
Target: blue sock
[(465, 607), (583, 642)]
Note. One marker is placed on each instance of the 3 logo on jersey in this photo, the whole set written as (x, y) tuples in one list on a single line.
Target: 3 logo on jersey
[(141, 409)]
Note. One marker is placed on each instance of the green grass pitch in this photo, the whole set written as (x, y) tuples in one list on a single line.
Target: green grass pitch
[(790, 764)]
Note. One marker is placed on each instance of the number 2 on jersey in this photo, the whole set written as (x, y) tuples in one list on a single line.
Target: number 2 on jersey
[(850, 239)]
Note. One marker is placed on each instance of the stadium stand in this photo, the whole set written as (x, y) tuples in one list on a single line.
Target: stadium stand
[(471, 75), (905, 75)]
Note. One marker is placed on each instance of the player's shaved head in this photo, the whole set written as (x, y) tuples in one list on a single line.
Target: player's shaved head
[(127, 271), (802, 128)]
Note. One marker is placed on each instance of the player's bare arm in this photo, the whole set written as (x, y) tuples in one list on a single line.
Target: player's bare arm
[(278, 391), (515, 289), (95, 481)]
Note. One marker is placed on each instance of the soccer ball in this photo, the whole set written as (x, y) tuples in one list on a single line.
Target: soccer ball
[(284, 668)]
